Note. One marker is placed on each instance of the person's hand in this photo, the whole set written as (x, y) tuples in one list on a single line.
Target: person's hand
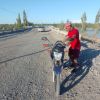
[(64, 44), (67, 43)]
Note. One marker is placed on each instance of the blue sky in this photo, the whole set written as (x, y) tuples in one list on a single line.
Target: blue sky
[(48, 11)]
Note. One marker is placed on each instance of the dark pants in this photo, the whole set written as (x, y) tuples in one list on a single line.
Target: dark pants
[(74, 55)]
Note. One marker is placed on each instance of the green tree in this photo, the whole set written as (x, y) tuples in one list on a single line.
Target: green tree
[(19, 24), (25, 21), (97, 24), (84, 24), (97, 20)]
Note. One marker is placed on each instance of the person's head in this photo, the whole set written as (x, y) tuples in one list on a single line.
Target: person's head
[(68, 26)]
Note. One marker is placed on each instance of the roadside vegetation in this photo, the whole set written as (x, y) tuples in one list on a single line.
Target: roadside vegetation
[(19, 24), (83, 26)]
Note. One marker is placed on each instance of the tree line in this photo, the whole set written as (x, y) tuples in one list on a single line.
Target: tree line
[(19, 24), (83, 25)]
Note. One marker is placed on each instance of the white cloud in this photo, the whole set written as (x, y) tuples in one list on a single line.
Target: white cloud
[(76, 21)]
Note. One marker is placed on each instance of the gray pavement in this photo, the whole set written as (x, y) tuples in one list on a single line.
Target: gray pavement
[(26, 70)]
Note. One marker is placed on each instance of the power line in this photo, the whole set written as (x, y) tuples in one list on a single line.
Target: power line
[(6, 10)]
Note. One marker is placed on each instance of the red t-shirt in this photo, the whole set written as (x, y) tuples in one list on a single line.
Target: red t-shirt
[(75, 44)]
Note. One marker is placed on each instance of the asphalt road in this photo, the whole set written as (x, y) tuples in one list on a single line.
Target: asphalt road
[(26, 71)]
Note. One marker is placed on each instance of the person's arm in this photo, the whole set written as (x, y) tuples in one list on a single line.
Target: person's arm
[(72, 38), (67, 40)]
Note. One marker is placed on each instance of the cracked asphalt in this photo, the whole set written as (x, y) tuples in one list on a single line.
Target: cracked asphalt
[(26, 70)]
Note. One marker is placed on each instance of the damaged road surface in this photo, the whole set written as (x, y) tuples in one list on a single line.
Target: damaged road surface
[(26, 71)]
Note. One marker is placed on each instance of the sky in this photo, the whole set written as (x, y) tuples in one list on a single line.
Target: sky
[(48, 11)]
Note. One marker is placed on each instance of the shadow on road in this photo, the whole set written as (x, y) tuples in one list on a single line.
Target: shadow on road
[(85, 60), (23, 56), (84, 44)]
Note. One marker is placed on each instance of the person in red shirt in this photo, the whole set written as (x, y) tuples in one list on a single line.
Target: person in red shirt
[(72, 40)]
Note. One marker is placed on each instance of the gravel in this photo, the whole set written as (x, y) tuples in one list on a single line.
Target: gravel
[(26, 70)]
